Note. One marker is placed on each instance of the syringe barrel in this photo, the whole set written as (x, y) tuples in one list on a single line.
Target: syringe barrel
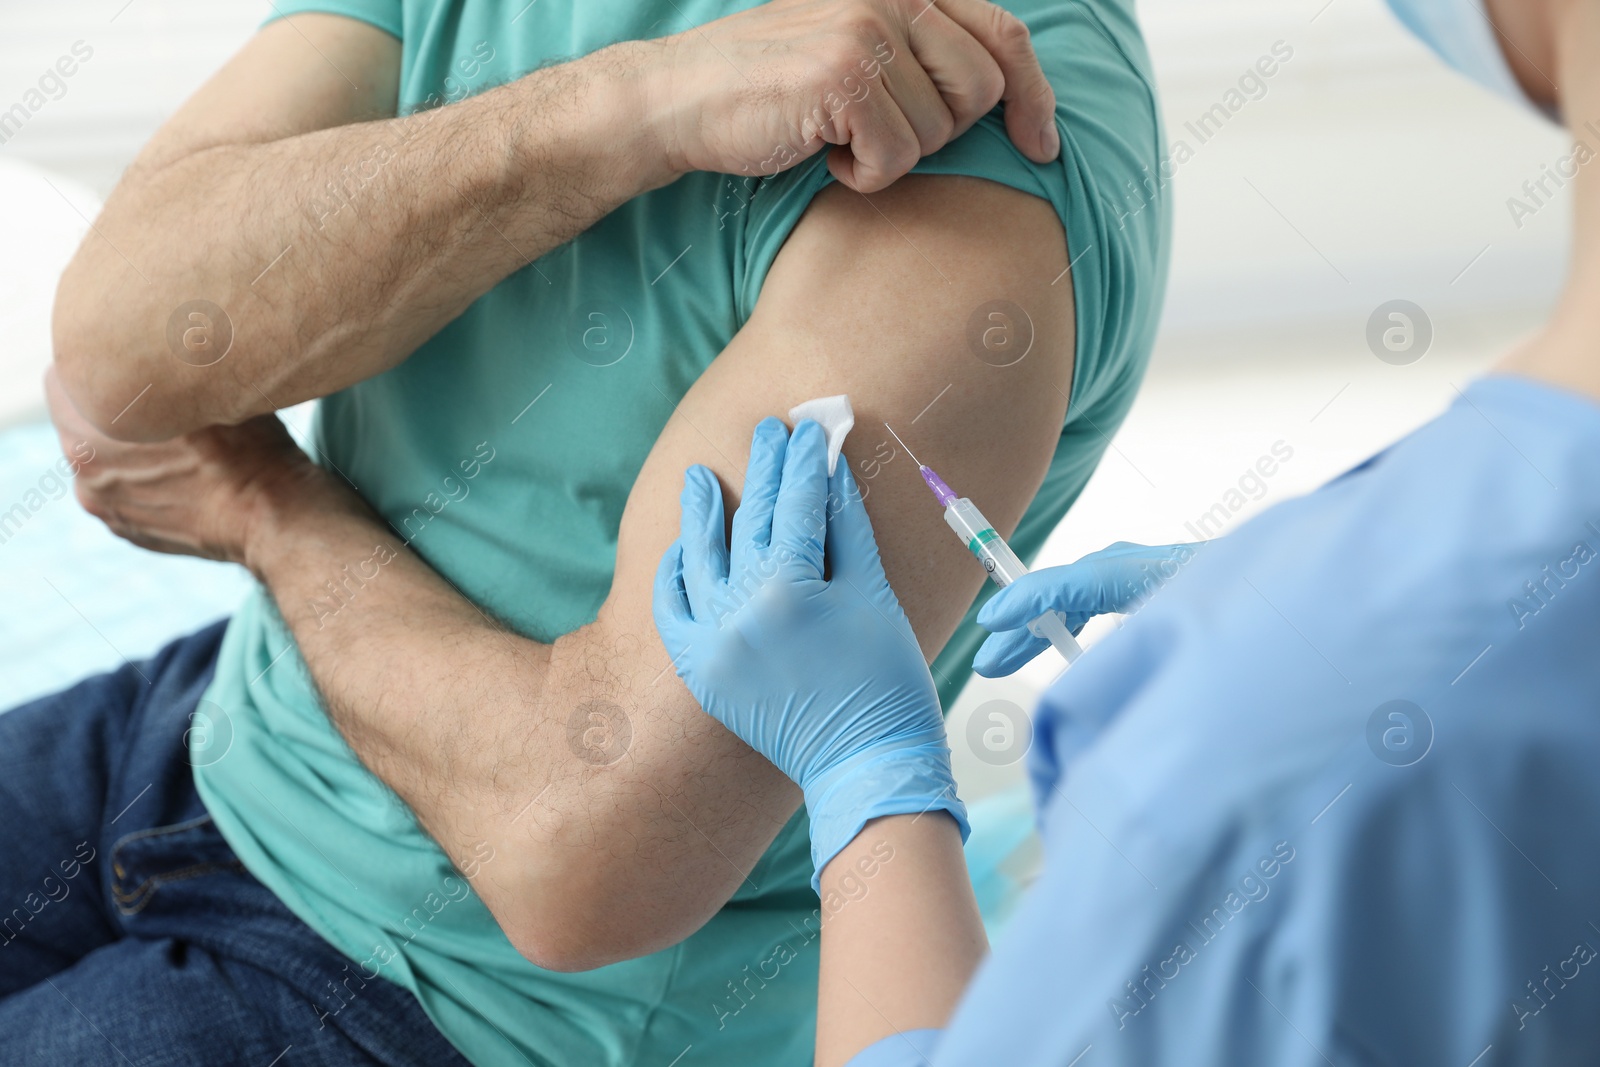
[(982, 541), (1003, 568)]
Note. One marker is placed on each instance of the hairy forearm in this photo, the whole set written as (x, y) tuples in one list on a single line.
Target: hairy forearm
[(371, 618), (584, 765), (374, 235)]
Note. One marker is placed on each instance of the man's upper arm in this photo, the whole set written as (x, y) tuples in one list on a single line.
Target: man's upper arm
[(297, 75), (872, 299), (888, 300)]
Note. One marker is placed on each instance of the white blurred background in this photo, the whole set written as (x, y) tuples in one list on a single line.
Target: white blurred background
[(1365, 173)]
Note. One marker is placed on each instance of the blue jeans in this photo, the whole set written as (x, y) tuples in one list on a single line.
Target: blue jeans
[(130, 933)]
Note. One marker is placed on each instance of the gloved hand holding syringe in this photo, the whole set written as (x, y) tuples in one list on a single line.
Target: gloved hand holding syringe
[(1002, 564)]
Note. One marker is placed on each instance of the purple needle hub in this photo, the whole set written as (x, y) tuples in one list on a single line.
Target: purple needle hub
[(946, 495)]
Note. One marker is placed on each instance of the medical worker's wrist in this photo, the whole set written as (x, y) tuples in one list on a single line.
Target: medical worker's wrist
[(912, 780)]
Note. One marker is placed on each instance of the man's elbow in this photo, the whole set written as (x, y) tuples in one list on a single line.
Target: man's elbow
[(92, 395), (584, 920), (90, 366), (564, 949), (111, 382), (575, 940)]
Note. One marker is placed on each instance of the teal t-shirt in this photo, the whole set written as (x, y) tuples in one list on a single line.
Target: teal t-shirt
[(504, 449)]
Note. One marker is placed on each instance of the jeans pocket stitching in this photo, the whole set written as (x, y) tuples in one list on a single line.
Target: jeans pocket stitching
[(155, 831), (145, 891)]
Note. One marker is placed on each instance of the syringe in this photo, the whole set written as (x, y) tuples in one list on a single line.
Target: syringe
[(1002, 564)]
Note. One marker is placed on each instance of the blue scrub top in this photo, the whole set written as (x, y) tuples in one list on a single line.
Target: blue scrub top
[(1333, 796)]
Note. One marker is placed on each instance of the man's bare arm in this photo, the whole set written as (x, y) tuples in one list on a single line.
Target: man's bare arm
[(330, 238), (246, 199), (474, 727)]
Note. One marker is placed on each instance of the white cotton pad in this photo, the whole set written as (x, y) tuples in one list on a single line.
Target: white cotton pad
[(834, 415)]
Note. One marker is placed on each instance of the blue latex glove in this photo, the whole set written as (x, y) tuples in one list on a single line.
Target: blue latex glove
[(822, 677), (1110, 580)]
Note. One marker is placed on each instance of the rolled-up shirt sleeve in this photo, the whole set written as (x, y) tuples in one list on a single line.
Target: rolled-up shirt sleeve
[(387, 15)]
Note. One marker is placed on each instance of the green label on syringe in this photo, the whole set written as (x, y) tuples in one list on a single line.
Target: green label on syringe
[(975, 546)]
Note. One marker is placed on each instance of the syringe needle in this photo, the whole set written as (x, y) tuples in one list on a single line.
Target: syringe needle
[(913, 455), (998, 560)]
